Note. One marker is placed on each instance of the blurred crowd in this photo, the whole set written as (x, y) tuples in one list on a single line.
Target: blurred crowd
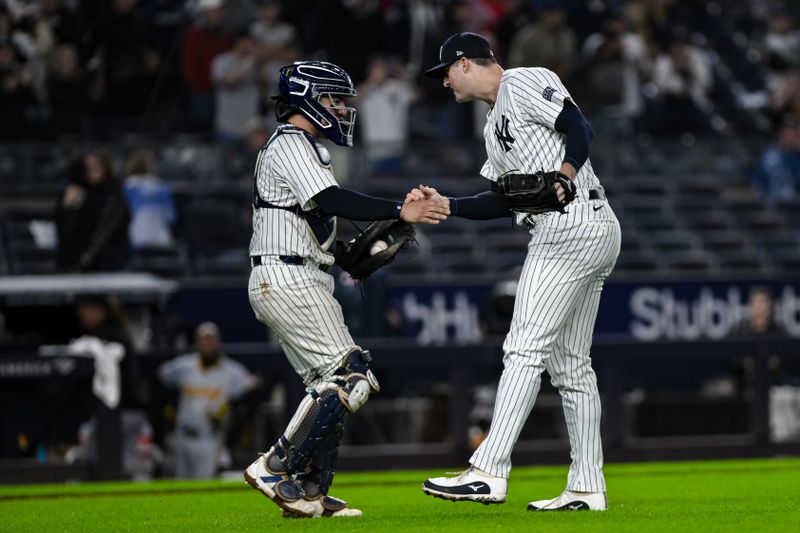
[(100, 69)]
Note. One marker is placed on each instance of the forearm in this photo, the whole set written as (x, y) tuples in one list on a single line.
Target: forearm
[(356, 206), (484, 206)]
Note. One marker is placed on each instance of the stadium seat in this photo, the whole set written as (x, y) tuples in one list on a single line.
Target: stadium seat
[(460, 263), (788, 263), (723, 240), (168, 261), (636, 262), (672, 241), (410, 261), (708, 221), (763, 221), (690, 261), (740, 261), (502, 261), (777, 243), (216, 236)]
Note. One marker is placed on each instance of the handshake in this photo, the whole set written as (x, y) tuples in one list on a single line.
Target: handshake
[(425, 204)]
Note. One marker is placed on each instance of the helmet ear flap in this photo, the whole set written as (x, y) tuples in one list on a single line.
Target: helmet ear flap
[(283, 110)]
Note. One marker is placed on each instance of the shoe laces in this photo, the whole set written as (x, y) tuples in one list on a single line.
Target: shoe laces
[(461, 475)]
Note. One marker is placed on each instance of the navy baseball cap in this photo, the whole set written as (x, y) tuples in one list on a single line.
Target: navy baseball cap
[(469, 45)]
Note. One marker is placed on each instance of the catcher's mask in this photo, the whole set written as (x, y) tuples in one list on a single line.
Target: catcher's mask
[(303, 84)]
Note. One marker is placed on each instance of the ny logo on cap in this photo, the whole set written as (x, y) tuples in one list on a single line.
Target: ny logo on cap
[(459, 53)]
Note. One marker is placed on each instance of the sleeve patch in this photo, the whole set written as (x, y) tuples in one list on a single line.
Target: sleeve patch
[(548, 93)]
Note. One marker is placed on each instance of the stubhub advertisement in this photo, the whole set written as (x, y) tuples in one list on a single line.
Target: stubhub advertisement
[(643, 311)]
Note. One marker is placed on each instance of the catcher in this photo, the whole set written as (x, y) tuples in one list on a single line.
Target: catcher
[(296, 200)]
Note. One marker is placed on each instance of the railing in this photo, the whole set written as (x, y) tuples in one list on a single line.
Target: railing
[(638, 382), (36, 168)]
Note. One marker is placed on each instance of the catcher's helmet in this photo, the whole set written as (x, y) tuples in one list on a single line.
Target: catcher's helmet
[(302, 85)]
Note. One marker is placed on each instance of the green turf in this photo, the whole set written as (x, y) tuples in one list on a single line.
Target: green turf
[(742, 496)]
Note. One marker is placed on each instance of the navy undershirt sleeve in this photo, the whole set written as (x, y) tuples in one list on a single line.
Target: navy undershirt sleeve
[(346, 203), (572, 123), (483, 206)]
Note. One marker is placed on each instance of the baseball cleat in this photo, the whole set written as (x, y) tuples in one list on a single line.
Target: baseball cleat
[(279, 487), (327, 506), (572, 501), (471, 485)]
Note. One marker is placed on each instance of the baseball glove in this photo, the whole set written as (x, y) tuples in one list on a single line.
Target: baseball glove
[(354, 257), (535, 193)]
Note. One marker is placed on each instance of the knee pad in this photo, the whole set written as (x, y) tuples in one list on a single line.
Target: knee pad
[(356, 380)]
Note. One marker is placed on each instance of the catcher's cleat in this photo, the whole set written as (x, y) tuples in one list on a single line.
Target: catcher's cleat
[(278, 487), (328, 506), (572, 501), (471, 485)]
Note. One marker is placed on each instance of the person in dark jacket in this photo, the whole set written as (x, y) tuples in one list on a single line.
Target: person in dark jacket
[(92, 217)]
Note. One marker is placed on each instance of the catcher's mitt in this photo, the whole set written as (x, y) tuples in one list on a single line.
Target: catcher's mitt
[(354, 257), (535, 193)]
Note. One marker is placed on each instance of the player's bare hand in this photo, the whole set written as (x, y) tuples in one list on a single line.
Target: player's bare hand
[(73, 196), (413, 195), (427, 211), (429, 193)]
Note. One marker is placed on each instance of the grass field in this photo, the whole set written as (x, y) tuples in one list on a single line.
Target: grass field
[(751, 495)]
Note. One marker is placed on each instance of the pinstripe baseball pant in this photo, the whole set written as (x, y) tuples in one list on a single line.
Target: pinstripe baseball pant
[(296, 302), (569, 258)]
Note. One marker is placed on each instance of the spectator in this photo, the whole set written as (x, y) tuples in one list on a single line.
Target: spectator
[(240, 160), (495, 315), (352, 17), (235, 77), (67, 92), (104, 318), (276, 43), (683, 79), (257, 133), (62, 24), (546, 43), (777, 174), (782, 42), (208, 383), (16, 93), (121, 38), (760, 319), (784, 95), (614, 62), (92, 217), (203, 42), (150, 201), (516, 17), (384, 100)]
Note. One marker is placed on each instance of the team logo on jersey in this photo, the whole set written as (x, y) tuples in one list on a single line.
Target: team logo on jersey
[(548, 93), (502, 133)]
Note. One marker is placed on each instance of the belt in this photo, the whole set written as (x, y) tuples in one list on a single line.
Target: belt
[(596, 194), (256, 260)]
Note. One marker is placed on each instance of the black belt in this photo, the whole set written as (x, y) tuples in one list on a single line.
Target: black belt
[(596, 194), (289, 260)]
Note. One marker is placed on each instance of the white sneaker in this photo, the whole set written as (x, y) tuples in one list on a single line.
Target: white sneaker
[(280, 488), (572, 501), (471, 485)]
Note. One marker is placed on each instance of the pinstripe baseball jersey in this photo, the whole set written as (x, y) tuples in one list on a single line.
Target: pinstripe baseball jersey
[(520, 128), (204, 390), (569, 257), (296, 301), (291, 168)]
